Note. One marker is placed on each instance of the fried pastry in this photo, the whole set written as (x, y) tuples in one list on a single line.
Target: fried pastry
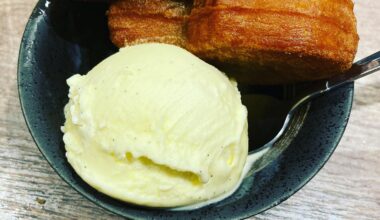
[(258, 41), (138, 21)]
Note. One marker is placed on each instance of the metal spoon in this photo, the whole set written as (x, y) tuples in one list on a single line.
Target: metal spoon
[(263, 156)]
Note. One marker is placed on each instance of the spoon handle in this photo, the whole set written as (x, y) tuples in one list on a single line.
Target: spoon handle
[(358, 70), (290, 128)]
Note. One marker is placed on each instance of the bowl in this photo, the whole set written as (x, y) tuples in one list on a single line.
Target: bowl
[(67, 37)]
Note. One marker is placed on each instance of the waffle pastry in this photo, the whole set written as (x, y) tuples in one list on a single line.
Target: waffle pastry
[(258, 41)]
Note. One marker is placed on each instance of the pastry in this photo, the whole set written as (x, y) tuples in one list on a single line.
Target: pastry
[(257, 42), (137, 21)]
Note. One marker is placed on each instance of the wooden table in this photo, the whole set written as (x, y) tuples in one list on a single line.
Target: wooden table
[(348, 187)]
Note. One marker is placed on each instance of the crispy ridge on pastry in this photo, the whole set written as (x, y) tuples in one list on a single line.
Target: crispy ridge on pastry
[(137, 21), (258, 41)]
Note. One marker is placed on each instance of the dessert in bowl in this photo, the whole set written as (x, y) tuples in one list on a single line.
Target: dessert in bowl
[(60, 41)]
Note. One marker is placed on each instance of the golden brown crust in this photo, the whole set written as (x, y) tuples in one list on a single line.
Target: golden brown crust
[(262, 42), (259, 42), (137, 21), (128, 29), (167, 8)]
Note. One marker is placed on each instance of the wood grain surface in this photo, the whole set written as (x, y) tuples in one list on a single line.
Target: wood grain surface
[(348, 187)]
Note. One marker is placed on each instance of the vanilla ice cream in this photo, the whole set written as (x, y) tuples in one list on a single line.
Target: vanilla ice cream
[(154, 125)]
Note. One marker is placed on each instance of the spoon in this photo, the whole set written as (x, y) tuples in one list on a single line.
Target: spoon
[(263, 156)]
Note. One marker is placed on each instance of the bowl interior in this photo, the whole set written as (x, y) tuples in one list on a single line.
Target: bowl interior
[(67, 37)]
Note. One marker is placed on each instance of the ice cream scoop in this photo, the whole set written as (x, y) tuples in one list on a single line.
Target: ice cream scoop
[(156, 126)]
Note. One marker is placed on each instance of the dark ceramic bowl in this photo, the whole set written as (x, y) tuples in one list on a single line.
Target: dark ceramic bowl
[(66, 37)]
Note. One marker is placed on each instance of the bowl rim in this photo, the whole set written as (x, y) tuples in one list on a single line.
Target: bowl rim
[(25, 37)]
